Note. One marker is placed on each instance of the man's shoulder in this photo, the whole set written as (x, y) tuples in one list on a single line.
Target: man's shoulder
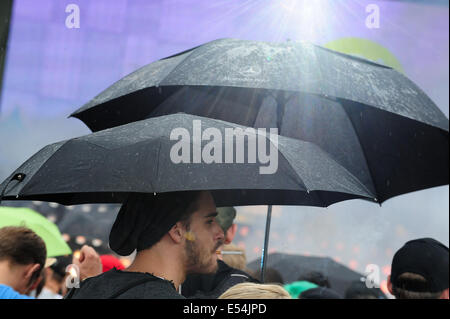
[(129, 285), (156, 289), (6, 292)]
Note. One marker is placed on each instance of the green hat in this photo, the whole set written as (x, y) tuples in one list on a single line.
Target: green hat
[(297, 287), (225, 217)]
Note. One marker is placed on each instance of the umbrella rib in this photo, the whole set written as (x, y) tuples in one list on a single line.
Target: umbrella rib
[(344, 168), (157, 164), (353, 176), (293, 169), (364, 153), (317, 192), (62, 144), (175, 67)]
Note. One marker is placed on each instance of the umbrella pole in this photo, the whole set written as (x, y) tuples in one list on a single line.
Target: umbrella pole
[(266, 242)]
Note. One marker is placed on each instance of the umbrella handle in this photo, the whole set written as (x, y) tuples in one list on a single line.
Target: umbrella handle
[(19, 177), (266, 242)]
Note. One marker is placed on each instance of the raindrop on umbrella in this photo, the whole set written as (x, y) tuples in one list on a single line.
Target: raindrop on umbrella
[(86, 208)]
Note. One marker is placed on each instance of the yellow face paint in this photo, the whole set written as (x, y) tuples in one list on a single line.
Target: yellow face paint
[(190, 236)]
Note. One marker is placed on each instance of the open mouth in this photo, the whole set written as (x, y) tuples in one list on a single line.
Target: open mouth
[(216, 249)]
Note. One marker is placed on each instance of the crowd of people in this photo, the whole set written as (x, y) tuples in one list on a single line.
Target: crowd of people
[(184, 249)]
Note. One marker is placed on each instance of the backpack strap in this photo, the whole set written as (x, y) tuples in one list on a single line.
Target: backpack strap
[(129, 286)]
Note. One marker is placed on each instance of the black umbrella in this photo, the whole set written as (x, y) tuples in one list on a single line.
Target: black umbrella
[(292, 267), (104, 167), (370, 118), (86, 220)]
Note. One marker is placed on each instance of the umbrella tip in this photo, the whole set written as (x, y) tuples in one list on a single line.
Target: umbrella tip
[(19, 177), (376, 201)]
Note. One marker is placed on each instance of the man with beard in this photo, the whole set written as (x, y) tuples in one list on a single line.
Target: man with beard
[(174, 234), (211, 286)]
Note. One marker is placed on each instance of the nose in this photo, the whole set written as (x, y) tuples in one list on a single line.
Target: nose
[(219, 235)]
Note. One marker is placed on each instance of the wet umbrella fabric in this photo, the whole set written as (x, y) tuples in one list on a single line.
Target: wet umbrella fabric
[(291, 267), (48, 231), (370, 118), (135, 158)]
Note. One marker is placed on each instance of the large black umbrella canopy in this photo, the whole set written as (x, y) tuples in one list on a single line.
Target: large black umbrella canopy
[(104, 167), (371, 119), (291, 267)]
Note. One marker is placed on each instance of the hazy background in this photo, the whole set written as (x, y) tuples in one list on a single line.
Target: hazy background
[(52, 70)]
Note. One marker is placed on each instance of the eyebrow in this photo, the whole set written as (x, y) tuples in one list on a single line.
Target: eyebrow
[(213, 214)]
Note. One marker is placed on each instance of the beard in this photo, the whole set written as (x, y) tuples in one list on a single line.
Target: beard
[(199, 259)]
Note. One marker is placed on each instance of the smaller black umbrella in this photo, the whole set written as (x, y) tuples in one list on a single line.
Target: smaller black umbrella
[(106, 166), (291, 267)]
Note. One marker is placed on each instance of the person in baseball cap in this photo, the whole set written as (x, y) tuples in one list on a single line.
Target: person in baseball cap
[(420, 270), (225, 218)]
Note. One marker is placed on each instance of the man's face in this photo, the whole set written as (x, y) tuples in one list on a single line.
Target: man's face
[(204, 237)]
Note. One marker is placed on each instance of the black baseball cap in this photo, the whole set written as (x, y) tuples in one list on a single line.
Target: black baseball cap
[(225, 217), (426, 257)]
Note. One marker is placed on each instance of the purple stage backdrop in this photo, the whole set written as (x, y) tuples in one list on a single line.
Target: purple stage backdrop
[(54, 65)]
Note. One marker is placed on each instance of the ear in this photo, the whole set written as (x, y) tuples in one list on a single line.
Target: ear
[(176, 233), (32, 269), (230, 233), (389, 285)]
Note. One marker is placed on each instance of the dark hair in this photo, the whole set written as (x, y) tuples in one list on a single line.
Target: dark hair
[(145, 218), (22, 246), (413, 286), (359, 290), (59, 268), (271, 276), (315, 277), (180, 205)]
